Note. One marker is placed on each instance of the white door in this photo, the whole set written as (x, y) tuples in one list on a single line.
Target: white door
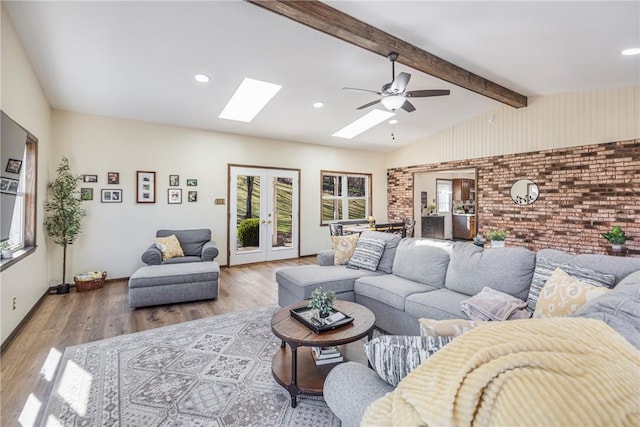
[(263, 214)]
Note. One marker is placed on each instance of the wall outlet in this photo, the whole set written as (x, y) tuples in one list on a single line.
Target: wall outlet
[(218, 201), (14, 303)]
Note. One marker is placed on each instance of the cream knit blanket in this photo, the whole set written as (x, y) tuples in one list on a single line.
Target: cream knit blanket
[(545, 372)]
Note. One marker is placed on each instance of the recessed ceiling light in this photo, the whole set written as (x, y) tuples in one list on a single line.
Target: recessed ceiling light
[(202, 78), (318, 104), (393, 121), (632, 51), (363, 123), (249, 99)]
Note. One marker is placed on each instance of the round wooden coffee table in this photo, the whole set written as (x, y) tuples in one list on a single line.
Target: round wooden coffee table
[(293, 366)]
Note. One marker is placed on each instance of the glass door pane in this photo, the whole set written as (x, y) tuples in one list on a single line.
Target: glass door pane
[(283, 213), (248, 213)]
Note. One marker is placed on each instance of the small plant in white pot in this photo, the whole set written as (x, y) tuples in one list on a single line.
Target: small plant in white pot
[(497, 238), (616, 237), (5, 248)]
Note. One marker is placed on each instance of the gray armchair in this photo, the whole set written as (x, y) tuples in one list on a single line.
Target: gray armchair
[(196, 245)]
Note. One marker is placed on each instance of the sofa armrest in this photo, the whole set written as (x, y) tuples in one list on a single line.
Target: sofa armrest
[(326, 257), (209, 251), (152, 256)]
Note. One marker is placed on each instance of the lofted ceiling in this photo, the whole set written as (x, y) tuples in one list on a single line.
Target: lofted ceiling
[(136, 60)]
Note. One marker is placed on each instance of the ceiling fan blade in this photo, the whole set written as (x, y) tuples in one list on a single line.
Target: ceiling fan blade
[(362, 90), (399, 84), (408, 107), (368, 105), (425, 93)]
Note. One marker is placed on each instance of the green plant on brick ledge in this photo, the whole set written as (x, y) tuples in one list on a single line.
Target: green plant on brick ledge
[(499, 235), (322, 301), (616, 237)]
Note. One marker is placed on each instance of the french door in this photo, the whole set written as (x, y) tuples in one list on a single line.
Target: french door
[(263, 214)]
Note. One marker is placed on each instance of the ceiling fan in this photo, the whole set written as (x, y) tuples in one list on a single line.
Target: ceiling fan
[(394, 94)]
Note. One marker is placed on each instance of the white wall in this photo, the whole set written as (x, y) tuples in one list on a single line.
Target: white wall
[(553, 121), (116, 234), (23, 100)]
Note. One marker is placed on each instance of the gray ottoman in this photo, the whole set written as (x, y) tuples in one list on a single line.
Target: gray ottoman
[(171, 283)]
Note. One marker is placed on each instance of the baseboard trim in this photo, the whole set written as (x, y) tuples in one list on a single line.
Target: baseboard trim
[(6, 343)]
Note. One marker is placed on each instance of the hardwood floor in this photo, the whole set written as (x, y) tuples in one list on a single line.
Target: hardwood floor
[(76, 318)]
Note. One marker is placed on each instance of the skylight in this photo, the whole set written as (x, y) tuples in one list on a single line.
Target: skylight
[(249, 99), (364, 123)]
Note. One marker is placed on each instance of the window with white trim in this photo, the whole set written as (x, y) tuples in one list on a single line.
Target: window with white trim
[(344, 196), (444, 194)]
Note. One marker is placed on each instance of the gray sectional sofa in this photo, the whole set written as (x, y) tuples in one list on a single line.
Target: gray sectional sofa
[(428, 279)]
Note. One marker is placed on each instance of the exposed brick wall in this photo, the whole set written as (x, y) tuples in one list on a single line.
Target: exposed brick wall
[(584, 191)]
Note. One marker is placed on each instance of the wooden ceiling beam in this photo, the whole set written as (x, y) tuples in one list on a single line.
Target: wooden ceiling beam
[(322, 17)]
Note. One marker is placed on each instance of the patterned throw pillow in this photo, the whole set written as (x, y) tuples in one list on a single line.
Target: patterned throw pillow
[(343, 247), (563, 295), (367, 254), (169, 246), (394, 356), (545, 268)]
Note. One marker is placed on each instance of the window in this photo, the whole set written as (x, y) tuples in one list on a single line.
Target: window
[(345, 196), (444, 190), (19, 205)]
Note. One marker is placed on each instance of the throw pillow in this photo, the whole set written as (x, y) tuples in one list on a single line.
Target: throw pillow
[(343, 247), (169, 246), (393, 356), (545, 268), (563, 295), (446, 328), (367, 254), (490, 304)]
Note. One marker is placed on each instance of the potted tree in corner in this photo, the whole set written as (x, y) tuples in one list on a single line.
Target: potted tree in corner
[(63, 214)]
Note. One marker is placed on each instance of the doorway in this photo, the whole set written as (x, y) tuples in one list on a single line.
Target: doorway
[(263, 214)]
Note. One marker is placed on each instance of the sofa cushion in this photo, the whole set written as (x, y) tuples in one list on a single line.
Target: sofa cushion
[(390, 244), (563, 295), (619, 308), (395, 356), (190, 240), (545, 268), (506, 270), (367, 254), (343, 247), (169, 246), (437, 304), (389, 289), (302, 280), (620, 267), (421, 262)]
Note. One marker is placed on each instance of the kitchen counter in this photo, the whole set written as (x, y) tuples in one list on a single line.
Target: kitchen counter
[(455, 214)]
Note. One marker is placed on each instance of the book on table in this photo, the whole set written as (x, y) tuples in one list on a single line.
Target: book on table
[(326, 355)]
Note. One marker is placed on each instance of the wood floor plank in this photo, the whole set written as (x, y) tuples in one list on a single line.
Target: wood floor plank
[(76, 318)]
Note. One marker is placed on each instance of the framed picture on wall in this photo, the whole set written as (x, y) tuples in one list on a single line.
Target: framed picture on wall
[(145, 187), (192, 182), (192, 196), (89, 178), (174, 180), (110, 196), (86, 194), (113, 177), (9, 185), (13, 166), (174, 196)]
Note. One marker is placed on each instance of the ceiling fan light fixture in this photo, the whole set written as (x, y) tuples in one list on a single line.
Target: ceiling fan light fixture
[(393, 102)]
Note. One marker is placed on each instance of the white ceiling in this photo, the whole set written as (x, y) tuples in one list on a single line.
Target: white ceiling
[(136, 60)]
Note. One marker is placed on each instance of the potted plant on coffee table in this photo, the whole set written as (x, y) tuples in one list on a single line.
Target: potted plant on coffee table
[(322, 301), (63, 213), (497, 238), (616, 237)]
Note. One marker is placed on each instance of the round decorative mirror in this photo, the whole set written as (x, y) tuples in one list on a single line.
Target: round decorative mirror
[(524, 192)]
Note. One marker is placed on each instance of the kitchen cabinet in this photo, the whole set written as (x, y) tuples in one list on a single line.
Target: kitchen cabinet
[(464, 226), (464, 189), (433, 226)]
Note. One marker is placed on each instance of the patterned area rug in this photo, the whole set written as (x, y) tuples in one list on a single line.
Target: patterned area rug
[(209, 372)]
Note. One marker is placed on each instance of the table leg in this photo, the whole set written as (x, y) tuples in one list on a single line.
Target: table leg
[(293, 387)]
